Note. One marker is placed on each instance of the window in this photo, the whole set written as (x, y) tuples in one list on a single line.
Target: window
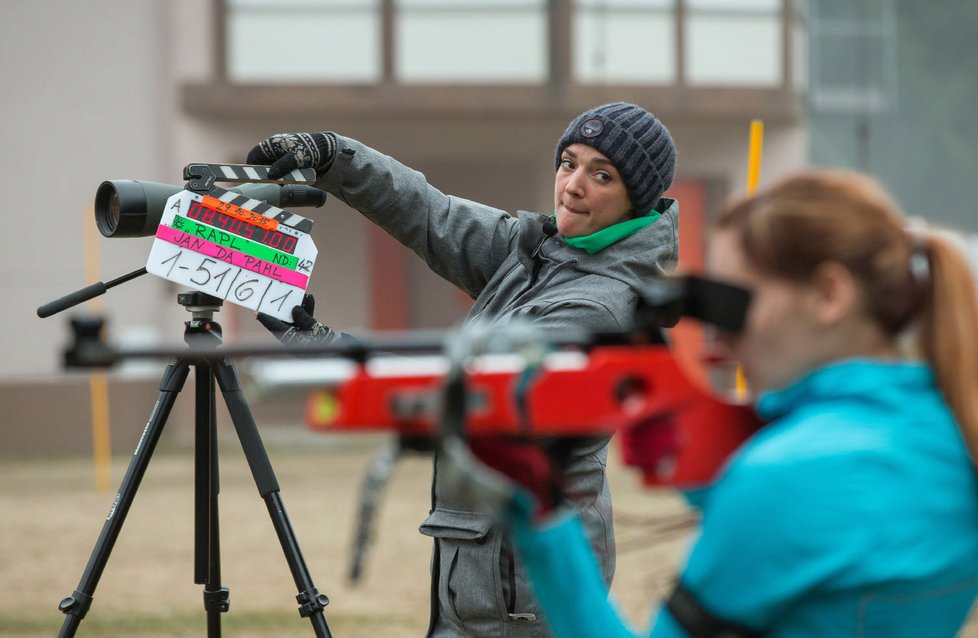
[(275, 41), (734, 42), (505, 42), (853, 56), (624, 41), (471, 41)]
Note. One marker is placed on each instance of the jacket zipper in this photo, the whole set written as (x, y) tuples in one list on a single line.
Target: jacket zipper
[(537, 263), (511, 574)]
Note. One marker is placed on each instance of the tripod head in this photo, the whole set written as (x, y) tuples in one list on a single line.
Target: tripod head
[(200, 304), (201, 330)]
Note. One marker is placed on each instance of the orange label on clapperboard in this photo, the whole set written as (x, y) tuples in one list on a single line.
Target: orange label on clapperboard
[(243, 214)]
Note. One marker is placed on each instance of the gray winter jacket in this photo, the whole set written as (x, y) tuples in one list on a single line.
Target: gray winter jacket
[(512, 268)]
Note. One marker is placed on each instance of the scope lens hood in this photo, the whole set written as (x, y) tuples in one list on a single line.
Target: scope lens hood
[(130, 208)]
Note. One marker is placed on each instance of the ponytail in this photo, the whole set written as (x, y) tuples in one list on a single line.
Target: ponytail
[(948, 332)]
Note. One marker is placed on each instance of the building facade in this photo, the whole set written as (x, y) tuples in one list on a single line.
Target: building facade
[(473, 93)]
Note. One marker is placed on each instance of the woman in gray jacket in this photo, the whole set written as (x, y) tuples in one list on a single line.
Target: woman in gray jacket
[(581, 268)]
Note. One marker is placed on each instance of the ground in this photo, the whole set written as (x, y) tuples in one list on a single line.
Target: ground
[(51, 516)]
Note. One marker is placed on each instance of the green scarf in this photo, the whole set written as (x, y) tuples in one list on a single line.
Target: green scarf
[(598, 241)]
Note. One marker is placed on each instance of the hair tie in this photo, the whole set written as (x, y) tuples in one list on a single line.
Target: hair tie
[(919, 260)]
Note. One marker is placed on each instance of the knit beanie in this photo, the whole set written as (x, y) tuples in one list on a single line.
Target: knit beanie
[(635, 141)]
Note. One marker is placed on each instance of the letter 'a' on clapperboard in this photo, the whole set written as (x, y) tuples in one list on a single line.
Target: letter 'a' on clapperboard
[(232, 247)]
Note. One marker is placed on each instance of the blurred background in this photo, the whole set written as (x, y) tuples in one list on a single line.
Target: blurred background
[(473, 93)]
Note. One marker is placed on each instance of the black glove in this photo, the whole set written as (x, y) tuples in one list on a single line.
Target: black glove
[(304, 330), (289, 151)]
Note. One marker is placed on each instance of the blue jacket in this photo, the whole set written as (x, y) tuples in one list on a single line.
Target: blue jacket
[(853, 513)]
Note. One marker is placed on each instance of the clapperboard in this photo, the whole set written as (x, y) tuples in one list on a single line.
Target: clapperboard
[(239, 249)]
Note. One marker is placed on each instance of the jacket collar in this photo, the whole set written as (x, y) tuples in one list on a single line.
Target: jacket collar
[(861, 379)]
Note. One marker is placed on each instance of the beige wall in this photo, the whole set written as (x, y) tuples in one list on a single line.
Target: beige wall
[(81, 103)]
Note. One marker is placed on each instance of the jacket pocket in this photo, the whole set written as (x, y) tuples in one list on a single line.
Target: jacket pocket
[(469, 588)]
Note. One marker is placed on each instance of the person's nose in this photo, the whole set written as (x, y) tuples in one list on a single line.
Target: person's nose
[(575, 184)]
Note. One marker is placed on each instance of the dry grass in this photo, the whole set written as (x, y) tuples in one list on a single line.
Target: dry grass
[(50, 518)]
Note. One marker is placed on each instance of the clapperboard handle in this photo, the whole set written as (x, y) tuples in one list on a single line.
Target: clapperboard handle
[(202, 177)]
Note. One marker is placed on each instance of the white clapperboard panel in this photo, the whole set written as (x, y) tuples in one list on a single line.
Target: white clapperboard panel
[(238, 249)]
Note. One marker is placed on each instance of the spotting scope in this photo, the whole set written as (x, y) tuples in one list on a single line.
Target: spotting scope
[(131, 208)]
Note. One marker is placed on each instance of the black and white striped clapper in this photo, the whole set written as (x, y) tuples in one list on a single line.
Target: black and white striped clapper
[(247, 173), (283, 217), (202, 177)]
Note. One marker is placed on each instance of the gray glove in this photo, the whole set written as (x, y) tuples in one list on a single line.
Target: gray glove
[(304, 330), (286, 152)]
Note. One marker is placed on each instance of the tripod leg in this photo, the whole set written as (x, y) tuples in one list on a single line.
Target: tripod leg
[(311, 602), (76, 606), (207, 545)]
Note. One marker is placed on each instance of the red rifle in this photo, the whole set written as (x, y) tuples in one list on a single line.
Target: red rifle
[(673, 430)]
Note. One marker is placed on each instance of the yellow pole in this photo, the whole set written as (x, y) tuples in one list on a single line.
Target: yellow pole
[(98, 383), (754, 155), (753, 177)]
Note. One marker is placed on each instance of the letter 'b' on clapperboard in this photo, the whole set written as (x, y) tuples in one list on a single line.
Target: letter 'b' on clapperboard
[(238, 249)]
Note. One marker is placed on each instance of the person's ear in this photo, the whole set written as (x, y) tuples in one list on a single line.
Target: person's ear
[(834, 293)]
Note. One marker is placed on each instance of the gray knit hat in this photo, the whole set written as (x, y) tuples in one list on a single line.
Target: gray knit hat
[(635, 141)]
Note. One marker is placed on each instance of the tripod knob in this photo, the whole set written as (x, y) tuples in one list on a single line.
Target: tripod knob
[(217, 600), (77, 604), (311, 602)]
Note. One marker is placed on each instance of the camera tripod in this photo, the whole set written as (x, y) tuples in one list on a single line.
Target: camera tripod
[(202, 332)]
